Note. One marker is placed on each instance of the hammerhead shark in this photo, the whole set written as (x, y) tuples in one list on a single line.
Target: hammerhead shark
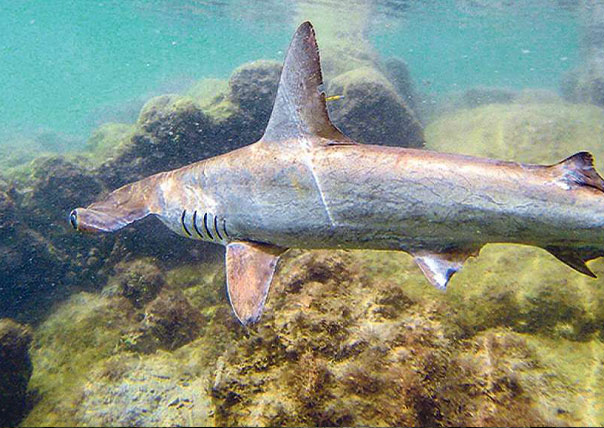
[(305, 184)]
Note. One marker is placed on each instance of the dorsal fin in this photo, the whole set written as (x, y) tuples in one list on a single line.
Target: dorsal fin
[(300, 109), (579, 170)]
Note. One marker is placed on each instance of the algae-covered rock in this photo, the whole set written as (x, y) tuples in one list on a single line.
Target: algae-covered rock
[(108, 139), (15, 371), (139, 281), (87, 374), (534, 133), (359, 338), (399, 75), (253, 87), (160, 390), (347, 338), (494, 380), (85, 329), (169, 322), (55, 184), (7, 212), (207, 92), (372, 111), (30, 269)]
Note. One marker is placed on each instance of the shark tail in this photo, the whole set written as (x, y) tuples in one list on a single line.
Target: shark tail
[(120, 208), (575, 171)]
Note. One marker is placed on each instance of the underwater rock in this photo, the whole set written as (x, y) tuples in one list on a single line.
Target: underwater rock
[(139, 281), (169, 322), (372, 112), (15, 371), (55, 183), (491, 382), (584, 85), (160, 390), (397, 72), (207, 92), (7, 212), (41, 252), (347, 338), (253, 87), (85, 329), (339, 347), (30, 270), (107, 140), (172, 132), (531, 133)]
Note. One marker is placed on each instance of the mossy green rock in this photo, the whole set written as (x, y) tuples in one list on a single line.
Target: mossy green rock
[(139, 281), (347, 338), (372, 111), (81, 332), (532, 132)]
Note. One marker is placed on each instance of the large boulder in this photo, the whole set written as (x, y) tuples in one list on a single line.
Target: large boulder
[(372, 111), (531, 132), (253, 87)]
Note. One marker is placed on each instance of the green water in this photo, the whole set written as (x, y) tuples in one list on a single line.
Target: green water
[(68, 66)]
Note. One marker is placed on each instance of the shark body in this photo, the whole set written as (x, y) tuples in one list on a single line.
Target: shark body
[(306, 185)]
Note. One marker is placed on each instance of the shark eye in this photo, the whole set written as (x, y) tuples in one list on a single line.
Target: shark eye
[(73, 219)]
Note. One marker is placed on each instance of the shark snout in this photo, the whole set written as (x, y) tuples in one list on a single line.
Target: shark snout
[(87, 220)]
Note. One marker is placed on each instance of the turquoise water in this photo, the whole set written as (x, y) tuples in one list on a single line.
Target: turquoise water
[(68, 66), (136, 327)]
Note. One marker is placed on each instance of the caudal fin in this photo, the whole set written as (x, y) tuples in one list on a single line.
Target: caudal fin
[(120, 208)]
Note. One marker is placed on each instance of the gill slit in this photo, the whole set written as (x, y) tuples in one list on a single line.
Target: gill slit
[(195, 225), (205, 225), (182, 221), (216, 227), (224, 228)]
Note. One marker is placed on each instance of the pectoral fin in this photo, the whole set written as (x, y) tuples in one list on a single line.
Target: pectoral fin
[(440, 267), (250, 268)]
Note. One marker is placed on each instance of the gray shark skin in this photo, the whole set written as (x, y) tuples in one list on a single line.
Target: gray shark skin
[(306, 185)]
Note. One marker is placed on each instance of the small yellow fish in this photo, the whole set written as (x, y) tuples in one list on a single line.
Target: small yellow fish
[(334, 97)]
